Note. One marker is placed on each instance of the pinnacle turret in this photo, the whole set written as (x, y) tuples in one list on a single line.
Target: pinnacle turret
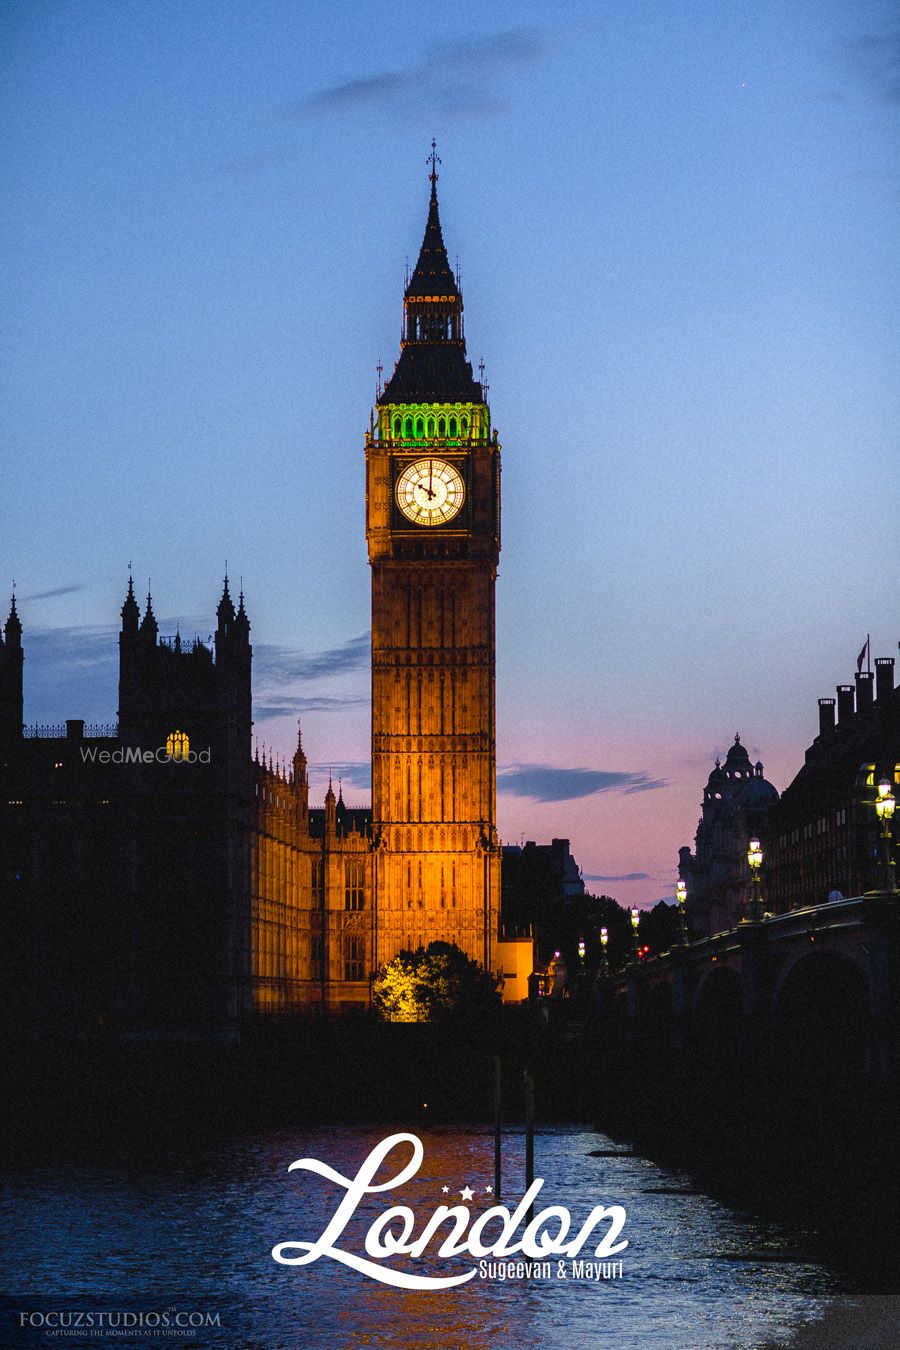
[(13, 625), (241, 621), (149, 626), (225, 608), (131, 610)]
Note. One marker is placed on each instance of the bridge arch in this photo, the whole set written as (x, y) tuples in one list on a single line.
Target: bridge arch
[(801, 954), (820, 1019)]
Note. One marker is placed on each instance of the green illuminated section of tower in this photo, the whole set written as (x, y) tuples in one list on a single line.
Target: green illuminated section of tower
[(420, 423)]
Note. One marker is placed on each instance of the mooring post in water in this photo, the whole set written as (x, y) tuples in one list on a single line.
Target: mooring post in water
[(498, 1089), (529, 1135)]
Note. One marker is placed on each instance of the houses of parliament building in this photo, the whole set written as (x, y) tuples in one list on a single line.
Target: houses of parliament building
[(160, 878)]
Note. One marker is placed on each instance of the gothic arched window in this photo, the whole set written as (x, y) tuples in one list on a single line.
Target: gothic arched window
[(177, 745)]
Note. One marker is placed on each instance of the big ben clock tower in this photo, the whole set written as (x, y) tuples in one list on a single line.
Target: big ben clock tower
[(433, 530)]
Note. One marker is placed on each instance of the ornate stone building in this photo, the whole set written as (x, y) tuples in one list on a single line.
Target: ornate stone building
[(159, 878), (737, 801)]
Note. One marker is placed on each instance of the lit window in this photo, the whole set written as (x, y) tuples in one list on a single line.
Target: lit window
[(354, 883), (177, 745), (353, 958)]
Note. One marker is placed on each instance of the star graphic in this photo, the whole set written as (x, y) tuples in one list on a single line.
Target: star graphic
[(467, 1193), (489, 1190), (446, 1190)]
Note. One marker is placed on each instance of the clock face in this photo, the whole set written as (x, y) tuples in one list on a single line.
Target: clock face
[(430, 492)]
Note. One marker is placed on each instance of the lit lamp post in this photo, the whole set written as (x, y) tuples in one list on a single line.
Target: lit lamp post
[(604, 943), (884, 805), (581, 951), (754, 858), (681, 897), (635, 920)]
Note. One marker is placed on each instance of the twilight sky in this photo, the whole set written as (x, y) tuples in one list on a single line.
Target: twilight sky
[(677, 227)]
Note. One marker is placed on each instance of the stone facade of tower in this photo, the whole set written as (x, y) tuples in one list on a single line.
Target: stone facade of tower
[(433, 530)]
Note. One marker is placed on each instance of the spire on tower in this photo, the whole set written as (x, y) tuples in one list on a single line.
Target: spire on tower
[(432, 366), (432, 275)]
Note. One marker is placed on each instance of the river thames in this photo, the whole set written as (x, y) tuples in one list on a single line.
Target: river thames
[(191, 1230)]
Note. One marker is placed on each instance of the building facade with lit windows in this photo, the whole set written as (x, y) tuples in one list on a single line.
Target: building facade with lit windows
[(823, 838)]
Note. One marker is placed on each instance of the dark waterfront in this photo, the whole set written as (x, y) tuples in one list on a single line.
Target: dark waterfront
[(192, 1227), (147, 1179)]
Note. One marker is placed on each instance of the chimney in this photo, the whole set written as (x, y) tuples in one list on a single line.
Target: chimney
[(826, 715), (75, 728), (844, 702), (884, 676), (864, 690)]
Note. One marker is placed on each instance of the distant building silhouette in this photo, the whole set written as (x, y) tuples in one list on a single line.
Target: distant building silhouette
[(737, 803)]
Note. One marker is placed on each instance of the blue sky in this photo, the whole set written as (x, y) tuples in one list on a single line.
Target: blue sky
[(677, 231)]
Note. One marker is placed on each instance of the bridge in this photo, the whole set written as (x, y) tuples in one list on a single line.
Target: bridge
[(817, 987)]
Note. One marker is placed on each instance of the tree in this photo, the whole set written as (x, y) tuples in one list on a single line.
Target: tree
[(433, 983)]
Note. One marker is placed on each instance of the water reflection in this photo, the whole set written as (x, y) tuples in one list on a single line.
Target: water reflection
[(197, 1231)]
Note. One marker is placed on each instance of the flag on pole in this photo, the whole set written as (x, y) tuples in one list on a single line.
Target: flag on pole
[(862, 657)]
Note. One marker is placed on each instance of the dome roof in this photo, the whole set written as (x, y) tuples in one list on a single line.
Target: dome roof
[(760, 792), (737, 756), (738, 782)]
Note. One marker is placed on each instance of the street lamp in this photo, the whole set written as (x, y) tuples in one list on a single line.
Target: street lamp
[(755, 858), (681, 897), (604, 943), (884, 805), (581, 950), (635, 920)]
